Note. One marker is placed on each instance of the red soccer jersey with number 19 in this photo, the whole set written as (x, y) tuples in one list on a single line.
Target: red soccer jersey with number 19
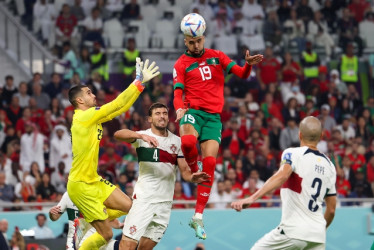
[(202, 79)]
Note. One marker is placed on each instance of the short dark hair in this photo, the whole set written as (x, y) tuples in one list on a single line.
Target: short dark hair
[(74, 92), (8, 77), (41, 214), (156, 105)]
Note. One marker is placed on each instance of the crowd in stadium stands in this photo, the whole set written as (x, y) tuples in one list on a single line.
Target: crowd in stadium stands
[(260, 116)]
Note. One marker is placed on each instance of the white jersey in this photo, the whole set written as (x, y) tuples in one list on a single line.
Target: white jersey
[(312, 179), (67, 205), (157, 167)]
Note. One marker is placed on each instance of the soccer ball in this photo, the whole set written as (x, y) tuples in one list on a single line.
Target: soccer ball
[(193, 25)]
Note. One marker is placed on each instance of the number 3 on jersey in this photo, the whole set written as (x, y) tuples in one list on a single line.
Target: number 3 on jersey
[(205, 72), (318, 182)]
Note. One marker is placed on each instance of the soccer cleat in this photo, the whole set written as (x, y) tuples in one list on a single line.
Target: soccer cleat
[(198, 226), (81, 228), (199, 166)]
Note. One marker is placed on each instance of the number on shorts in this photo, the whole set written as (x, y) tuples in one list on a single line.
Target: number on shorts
[(189, 118), (155, 156), (318, 182), (205, 72)]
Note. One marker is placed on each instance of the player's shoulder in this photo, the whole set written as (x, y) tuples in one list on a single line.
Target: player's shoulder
[(212, 52), (173, 136)]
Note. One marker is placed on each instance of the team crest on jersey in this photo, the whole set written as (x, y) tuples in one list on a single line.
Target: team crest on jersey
[(286, 159), (173, 148), (133, 230)]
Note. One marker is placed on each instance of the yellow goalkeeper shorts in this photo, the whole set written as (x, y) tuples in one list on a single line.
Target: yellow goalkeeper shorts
[(89, 198)]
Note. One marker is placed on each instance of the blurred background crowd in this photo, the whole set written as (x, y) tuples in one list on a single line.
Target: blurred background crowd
[(318, 60)]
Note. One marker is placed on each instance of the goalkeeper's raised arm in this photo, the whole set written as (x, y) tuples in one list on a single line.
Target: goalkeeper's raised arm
[(82, 98)]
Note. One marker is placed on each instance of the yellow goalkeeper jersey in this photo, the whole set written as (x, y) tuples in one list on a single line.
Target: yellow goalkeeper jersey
[(86, 133)]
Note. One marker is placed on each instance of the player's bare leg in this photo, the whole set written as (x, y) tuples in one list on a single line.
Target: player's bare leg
[(209, 151), (146, 244), (118, 200), (127, 243), (188, 139)]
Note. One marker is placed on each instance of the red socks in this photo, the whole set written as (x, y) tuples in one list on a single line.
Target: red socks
[(190, 151), (203, 189)]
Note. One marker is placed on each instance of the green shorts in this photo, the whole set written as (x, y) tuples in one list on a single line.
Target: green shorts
[(207, 125)]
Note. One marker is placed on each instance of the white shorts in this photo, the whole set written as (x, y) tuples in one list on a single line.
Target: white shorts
[(148, 220), (276, 239)]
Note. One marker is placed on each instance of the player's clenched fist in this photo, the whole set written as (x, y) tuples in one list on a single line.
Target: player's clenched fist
[(240, 204), (144, 71)]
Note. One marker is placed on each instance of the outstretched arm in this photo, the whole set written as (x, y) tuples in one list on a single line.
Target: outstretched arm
[(245, 71), (131, 136), (197, 177), (55, 213), (272, 183)]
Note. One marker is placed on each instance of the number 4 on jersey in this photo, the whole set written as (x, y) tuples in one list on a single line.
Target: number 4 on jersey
[(155, 156)]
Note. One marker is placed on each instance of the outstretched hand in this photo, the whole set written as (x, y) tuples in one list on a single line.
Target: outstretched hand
[(149, 71), (251, 60), (150, 140), (200, 177), (55, 210), (240, 204)]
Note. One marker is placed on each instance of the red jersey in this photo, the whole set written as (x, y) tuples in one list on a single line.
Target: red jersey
[(268, 70), (66, 24), (202, 79)]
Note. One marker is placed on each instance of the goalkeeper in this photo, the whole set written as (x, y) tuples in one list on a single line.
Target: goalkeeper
[(97, 199)]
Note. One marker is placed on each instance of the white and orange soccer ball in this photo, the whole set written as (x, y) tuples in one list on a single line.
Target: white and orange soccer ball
[(193, 25)]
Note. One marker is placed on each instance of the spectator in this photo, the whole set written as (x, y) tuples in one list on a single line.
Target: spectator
[(343, 187), (289, 136), (21, 123), (240, 25), (6, 191), (309, 109), (291, 70), (358, 9), (296, 93), (60, 148), (221, 26), (340, 86), (236, 187), (8, 91), (105, 13), (268, 69), (329, 13), (328, 122), (179, 195), (274, 135), (14, 111), (69, 60), (58, 178), (256, 142), (129, 56), (4, 123), (270, 108), (77, 10), (13, 173), (22, 95), (220, 199), (42, 99), (54, 87), (36, 78), (255, 175), (304, 12), (99, 64), (255, 15), (294, 31), (318, 33), (66, 27), (349, 66), (357, 159), (42, 231), (284, 11), (111, 159), (17, 242), (347, 169), (346, 129), (272, 29), (249, 190), (45, 190), (310, 62), (45, 14), (3, 237), (93, 25), (361, 187), (10, 138), (131, 11), (228, 189), (231, 139), (115, 5), (291, 110), (24, 189), (32, 143)]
